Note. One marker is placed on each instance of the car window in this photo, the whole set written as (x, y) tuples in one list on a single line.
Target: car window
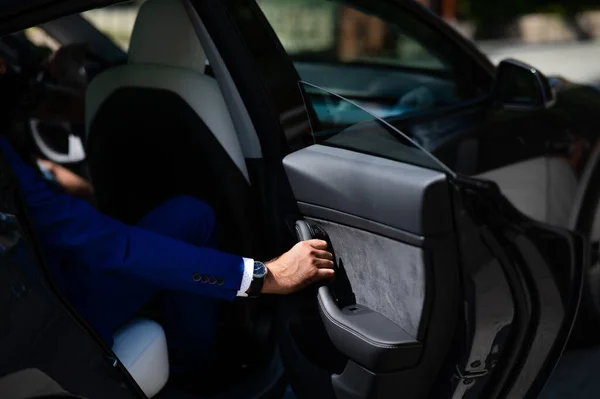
[(332, 32), (115, 21), (392, 68), (39, 37), (339, 122)]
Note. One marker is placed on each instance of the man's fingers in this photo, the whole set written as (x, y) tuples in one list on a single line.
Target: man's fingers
[(326, 275), (325, 264), (320, 254), (317, 244)]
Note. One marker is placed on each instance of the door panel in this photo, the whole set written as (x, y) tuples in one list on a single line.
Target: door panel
[(405, 197), (390, 315), (392, 273)]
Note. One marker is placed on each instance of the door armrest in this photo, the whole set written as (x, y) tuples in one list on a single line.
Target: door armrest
[(368, 337)]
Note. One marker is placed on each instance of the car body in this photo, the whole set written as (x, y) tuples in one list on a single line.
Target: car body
[(444, 287)]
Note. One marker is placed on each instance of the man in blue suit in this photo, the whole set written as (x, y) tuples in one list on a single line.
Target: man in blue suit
[(109, 270)]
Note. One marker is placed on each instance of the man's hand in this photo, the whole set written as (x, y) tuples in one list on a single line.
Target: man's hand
[(306, 263), (72, 183)]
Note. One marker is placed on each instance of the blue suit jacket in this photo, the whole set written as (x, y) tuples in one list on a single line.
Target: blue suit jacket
[(74, 233)]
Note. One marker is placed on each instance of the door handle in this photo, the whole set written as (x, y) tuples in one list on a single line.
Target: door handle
[(363, 335)]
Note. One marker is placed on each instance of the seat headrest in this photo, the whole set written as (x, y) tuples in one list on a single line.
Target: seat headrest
[(163, 34)]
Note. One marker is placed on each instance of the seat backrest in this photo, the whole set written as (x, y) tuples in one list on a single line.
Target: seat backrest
[(158, 127)]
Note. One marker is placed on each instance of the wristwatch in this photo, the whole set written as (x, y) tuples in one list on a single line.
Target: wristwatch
[(258, 279)]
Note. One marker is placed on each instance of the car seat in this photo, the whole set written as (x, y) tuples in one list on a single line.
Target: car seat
[(158, 127), (141, 346)]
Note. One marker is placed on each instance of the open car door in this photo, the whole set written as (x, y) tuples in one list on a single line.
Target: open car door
[(46, 350), (443, 289)]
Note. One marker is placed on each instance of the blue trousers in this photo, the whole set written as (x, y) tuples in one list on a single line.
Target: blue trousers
[(107, 301)]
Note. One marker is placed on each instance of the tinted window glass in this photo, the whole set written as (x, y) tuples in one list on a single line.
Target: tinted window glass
[(364, 133), (115, 21), (386, 59), (329, 32)]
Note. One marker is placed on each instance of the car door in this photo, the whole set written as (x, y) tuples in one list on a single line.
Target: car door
[(45, 347), (443, 289), (379, 330)]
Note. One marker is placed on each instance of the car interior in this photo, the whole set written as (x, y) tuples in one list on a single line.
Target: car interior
[(162, 89), (133, 169), (162, 124)]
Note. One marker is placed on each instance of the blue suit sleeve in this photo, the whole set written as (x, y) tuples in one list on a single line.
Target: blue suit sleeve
[(75, 234)]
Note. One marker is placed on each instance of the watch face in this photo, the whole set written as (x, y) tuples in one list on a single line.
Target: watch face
[(260, 270)]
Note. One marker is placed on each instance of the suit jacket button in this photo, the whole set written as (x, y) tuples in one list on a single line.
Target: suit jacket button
[(212, 280), (196, 277), (204, 279), (220, 281)]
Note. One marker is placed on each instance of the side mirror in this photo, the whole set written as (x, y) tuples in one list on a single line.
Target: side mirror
[(521, 86)]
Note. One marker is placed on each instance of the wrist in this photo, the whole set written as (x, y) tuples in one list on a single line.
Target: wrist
[(270, 284)]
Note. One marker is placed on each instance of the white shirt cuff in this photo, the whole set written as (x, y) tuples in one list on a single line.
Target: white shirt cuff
[(247, 276)]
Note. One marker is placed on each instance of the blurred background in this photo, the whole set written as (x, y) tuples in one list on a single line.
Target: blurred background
[(557, 36)]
